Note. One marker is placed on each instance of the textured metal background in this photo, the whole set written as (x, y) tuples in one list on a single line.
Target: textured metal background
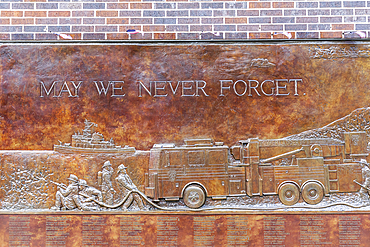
[(335, 84)]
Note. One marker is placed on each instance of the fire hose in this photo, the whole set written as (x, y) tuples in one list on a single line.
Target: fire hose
[(214, 208)]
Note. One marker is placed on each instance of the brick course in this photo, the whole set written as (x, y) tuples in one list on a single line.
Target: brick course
[(183, 19)]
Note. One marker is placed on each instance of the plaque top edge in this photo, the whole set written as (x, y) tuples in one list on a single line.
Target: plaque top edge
[(179, 42)]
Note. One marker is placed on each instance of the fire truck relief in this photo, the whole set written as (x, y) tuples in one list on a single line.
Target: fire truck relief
[(325, 168)]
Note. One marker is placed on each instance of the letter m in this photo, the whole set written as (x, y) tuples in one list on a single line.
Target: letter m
[(42, 87)]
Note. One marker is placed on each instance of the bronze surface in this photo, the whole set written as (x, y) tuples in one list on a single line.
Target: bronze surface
[(186, 230), (334, 82), (192, 144)]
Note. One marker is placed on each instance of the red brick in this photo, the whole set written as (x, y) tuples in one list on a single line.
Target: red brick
[(272, 28), (93, 36), (137, 21), (248, 12), (83, 29), (45, 36), (71, 21), (200, 28), (117, 36), (47, 21), (59, 13), (271, 12), (117, 20), (4, 36), (4, 21), (11, 13), (283, 5), (17, 21), (307, 35), (35, 13), (167, 36), (327, 35), (155, 28), (84, 13), (141, 36), (106, 13), (260, 35), (106, 28), (117, 5), (248, 28), (307, 19), (343, 26), (75, 35), (123, 29), (236, 20), (140, 5), (282, 36), (259, 5), (22, 36)]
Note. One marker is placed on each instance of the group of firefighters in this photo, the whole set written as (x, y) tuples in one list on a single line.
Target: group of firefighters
[(79, 195)]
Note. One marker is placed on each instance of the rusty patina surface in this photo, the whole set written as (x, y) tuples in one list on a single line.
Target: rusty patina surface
[(334, 83), (186, 230), (212, 95), (236, 128)]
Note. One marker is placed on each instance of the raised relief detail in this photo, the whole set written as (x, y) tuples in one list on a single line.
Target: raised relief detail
[(261, 63), (308, 169), (335, 52), (24, 189), (88, 195), (127, 186), (79, 195), (105, 182), (319, 168), (242, 61), (91, 142), (358, 120), (67, 196)]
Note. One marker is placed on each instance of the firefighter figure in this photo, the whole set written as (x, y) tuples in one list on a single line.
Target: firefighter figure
[(105, 181), (126, 186), (67, 198), (87, 195)]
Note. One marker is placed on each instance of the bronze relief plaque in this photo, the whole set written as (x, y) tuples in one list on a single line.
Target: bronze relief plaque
[(185, 144)]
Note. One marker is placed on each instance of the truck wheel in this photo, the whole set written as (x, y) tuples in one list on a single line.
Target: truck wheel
[(312, 193), (289, 194), (194, 196)]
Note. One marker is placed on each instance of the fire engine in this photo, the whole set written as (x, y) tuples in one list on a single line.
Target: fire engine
[(292, 169)]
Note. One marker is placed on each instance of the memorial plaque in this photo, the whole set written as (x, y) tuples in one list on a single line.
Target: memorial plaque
[(185, 144)]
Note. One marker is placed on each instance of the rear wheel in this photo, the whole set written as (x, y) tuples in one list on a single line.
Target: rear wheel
[(312, 193), (194, 196), (289, 194)]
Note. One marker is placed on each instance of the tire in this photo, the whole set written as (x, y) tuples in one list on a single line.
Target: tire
[(289, 194), (312, 193), (194, 196)]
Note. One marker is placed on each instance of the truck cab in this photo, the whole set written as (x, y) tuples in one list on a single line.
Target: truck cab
[(193, 171)]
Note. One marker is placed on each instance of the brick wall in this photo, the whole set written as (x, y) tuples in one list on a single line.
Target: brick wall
[(182, 19)]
